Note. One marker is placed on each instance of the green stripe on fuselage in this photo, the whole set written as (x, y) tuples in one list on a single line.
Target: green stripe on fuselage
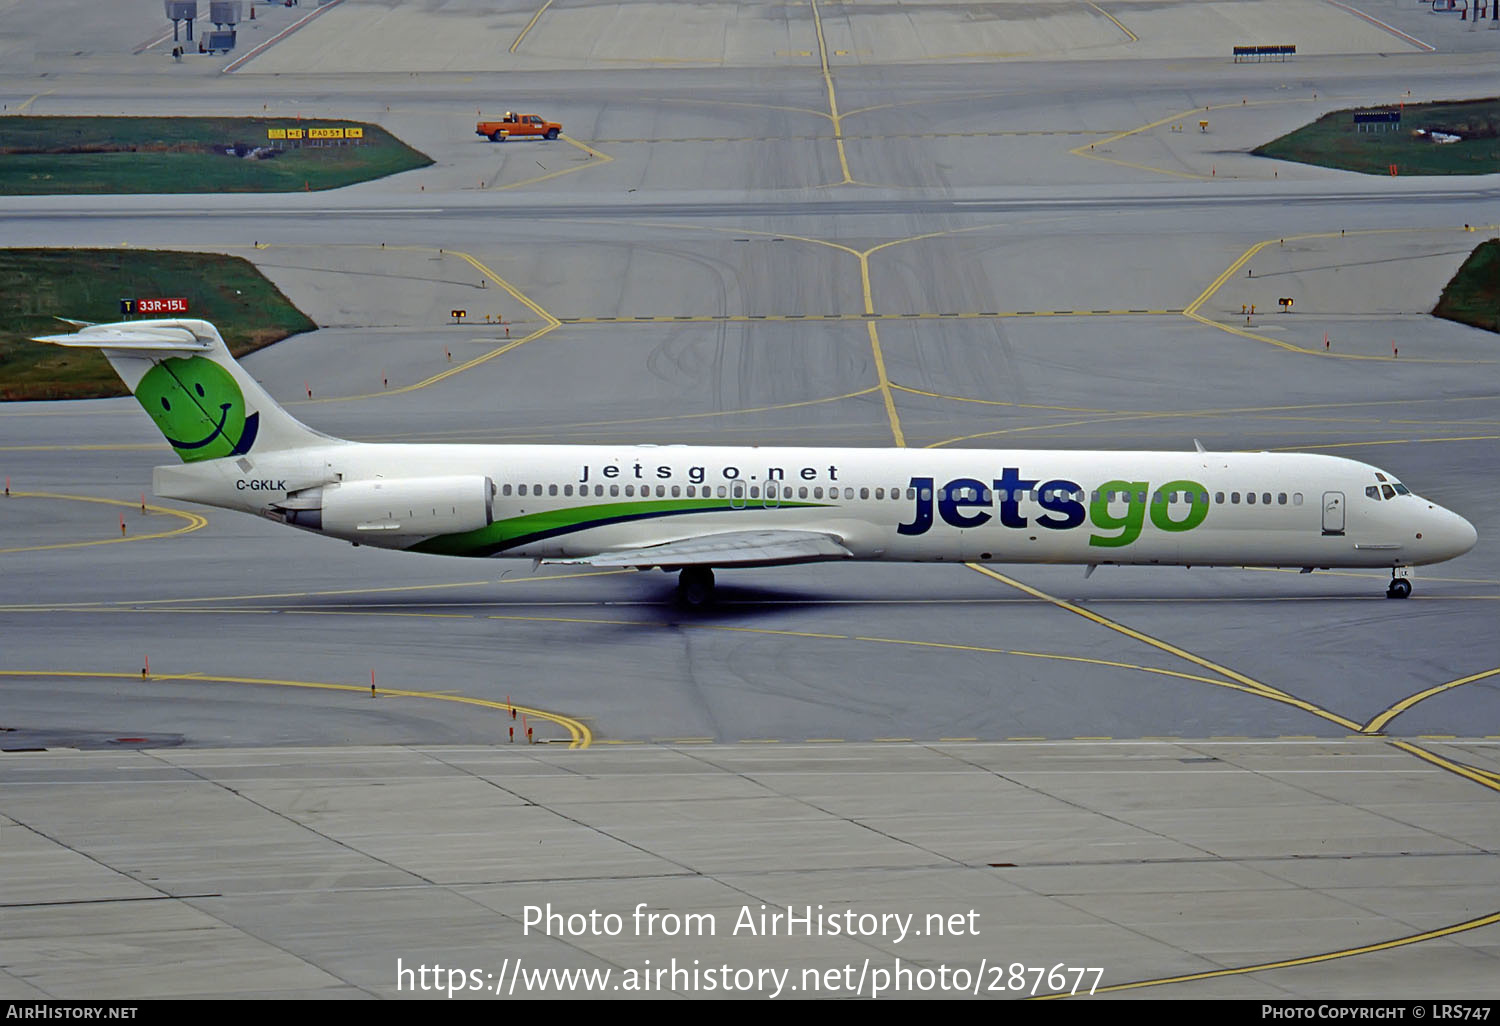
[(513, 532)]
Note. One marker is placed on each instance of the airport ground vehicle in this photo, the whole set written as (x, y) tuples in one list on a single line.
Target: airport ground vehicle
[(513, 125)]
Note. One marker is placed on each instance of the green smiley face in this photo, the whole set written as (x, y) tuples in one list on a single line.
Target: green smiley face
[(198, 407)]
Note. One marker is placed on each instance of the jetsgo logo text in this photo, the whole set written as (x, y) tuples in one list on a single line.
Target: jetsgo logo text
[(1118, 506)]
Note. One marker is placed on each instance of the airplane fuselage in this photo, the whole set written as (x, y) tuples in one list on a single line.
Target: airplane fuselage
[(556, 502), (696, 509)]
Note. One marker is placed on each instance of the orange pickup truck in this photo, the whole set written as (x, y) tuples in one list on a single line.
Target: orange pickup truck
[(519, 124)]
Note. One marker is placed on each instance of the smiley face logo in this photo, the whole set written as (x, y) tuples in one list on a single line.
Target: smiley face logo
[(199, 408)]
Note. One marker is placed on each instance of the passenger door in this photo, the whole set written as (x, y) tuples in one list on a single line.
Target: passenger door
[(1333, 513)]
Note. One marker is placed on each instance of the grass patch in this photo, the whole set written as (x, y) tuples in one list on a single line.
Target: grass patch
[(1332, 141), (38, 285), (1473, 296), (83, 156)]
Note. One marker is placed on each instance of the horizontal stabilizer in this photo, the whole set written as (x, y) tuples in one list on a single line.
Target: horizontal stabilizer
[(734, 548), (152, 339)]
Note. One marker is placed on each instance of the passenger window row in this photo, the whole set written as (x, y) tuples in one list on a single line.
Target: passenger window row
[(983, 495), (1264, 498), (706, 491)]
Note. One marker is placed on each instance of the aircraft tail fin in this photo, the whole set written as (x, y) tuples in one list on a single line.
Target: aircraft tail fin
[(203, 402)]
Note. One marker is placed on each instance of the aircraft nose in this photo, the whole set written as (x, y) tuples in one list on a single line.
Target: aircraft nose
[(1465, 537), (1454, 534)]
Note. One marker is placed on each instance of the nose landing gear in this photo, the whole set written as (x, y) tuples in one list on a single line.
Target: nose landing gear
[(1400, 586)]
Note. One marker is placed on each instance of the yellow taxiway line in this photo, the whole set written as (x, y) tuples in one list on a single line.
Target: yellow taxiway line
[(581, 736), (1378, 723), (1191, 310), (530, 25), (1288, 963), (194, 521), (833, 101), (1246, 683), (1132, 36)]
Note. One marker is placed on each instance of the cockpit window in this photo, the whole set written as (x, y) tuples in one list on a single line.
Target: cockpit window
[(1373, 492), (1380, 477), (1388, 491), (1401, 489)]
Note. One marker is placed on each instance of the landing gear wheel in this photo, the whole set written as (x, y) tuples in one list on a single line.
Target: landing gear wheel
[(695, 586), (1400, 588)]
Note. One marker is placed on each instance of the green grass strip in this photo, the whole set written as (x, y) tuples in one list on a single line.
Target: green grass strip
[(1334, 141), (1473, 296), (114, 155), (40, 285)]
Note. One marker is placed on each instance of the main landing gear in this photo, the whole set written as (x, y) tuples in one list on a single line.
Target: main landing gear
[(1400, 586), (695, 586)]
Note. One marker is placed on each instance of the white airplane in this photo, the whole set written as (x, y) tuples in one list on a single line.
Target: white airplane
[(694, 509)]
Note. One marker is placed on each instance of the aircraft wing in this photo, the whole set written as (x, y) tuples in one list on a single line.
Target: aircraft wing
[(733, 548)]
